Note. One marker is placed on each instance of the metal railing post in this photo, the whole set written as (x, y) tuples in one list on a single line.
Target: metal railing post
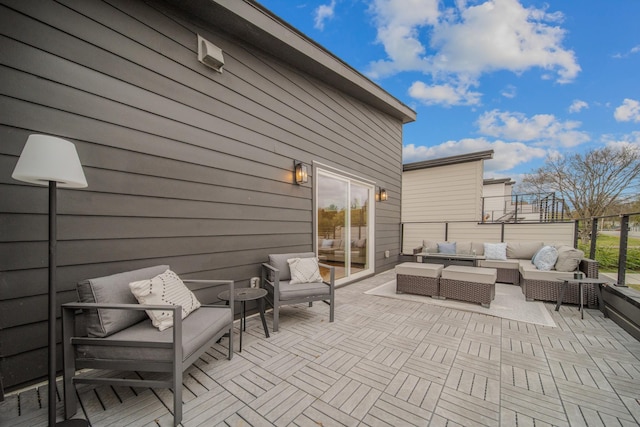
[(594, 238), (576, 232), (622, 257), (515, 215)]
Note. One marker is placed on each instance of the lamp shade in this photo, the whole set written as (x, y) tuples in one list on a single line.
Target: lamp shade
[(46, 158)]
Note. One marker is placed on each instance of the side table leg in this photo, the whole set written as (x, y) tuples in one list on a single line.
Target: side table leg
[(264, 321), (581, 290), (561, 297), (242, 323)]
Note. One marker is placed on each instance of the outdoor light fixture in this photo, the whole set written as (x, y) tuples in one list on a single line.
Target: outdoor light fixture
[(52, 162), (301, 172), (382, 195)]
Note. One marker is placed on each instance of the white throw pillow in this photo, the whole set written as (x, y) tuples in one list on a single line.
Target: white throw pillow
[(545, 258), (497, 251), (164, 289), (304, 270)]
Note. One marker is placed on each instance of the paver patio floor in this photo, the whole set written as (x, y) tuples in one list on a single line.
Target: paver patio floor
[(389, 362)]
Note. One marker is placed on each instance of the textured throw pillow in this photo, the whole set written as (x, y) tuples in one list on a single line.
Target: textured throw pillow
[(497, 251), (545, 258), (164, 289), (429, 246), (304, 270), (568, 258), (447, 248)]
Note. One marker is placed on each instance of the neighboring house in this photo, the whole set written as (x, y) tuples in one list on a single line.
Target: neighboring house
[(185, 165), (496, 196), (442, 199)]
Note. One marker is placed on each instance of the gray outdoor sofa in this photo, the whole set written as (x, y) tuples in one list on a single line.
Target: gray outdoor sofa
[(115, 334)]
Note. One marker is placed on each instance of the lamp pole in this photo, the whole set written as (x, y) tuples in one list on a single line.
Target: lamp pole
[(47, 160)]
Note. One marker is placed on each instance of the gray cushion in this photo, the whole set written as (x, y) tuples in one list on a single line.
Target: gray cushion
[(114, 289), (201, 325), (302, 290), (568, 258), (523, 250), (279, 261)]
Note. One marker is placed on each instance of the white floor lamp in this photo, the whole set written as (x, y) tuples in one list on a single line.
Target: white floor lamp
[(53, 162)]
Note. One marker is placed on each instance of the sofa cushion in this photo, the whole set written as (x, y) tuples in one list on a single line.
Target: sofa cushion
[(545, 258), (113, 289), (164, 289), (495, 251), (478, 247), (326, 243), (568, 258), (429, 246), (523, 250), (279, 261), (463, 248), (447, 248), (509, 264), (304, 270), (529, 271)]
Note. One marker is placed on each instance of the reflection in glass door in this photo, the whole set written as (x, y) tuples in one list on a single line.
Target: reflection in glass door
[(343, 224)]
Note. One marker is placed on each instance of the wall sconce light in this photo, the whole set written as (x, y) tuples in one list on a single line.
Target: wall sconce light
[(382, 195), (210, 54), (301, 172)]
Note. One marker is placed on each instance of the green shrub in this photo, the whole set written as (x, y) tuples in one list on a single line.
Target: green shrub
[(607, 257)]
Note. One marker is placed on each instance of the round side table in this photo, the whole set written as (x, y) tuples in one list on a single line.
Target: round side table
[(243, 295)]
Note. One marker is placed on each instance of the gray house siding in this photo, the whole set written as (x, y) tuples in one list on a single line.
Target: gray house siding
[(185, 166)]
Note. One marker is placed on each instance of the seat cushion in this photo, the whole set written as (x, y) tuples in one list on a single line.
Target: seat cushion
[(202, 325), (303, 290), (529, 271), (114, 289), (419, 269), (470, 274), (510, 264), (279, 261)]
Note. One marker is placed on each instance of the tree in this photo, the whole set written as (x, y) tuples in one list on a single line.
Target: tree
[(592, 182)]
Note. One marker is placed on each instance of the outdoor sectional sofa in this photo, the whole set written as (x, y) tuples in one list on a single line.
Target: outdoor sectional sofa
[(518, 268)]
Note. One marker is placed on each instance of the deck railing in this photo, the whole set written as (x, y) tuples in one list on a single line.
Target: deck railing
[(623, 258), (532, 207)]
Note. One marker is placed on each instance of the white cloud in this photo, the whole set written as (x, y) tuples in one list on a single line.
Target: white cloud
[(628, 111), (445, 94), (633, 50), (577, 106), (629, 140), (467, 41), (510, 91), (507, 155), (540, 129), (322, 13)]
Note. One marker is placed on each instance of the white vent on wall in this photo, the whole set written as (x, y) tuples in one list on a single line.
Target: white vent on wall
[(210, 54)]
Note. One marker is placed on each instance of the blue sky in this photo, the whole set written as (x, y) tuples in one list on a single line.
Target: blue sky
[(527, 79)]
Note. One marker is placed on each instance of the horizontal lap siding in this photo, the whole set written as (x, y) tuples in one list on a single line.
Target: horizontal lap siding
[(185, 166)]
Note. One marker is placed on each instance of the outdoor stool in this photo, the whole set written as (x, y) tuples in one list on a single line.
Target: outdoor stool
[(418, 278), (473, 284)]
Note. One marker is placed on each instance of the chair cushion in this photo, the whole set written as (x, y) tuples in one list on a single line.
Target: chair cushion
[(203, 324), (164, 289), (279, 261), (304, 270), (303, 290), (113, 289)]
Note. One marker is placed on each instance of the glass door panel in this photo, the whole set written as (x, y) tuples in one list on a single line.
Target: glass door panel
[(344, 219)]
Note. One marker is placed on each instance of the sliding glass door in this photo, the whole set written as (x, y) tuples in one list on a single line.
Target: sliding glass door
[(344, 221)]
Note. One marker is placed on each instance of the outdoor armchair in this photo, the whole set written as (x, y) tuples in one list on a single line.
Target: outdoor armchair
[(276, 277), (115, 334)]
